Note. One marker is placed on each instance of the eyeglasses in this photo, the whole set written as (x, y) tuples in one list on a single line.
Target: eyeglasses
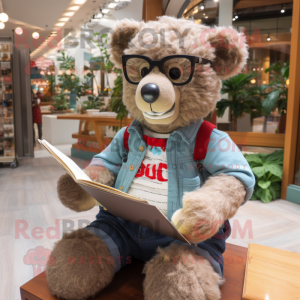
[(178, 68)]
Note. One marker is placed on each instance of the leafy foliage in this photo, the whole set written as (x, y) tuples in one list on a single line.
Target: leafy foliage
[(279, 73), (116, 103), (103, 61), (60, 102), (267, 169), (241, 97), (93, 102), (69, 81), (51, 85)]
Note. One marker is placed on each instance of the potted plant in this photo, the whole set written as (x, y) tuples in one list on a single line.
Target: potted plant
[(93, 104), (68, 81), (267, 169), (60, 102), (241, 98)]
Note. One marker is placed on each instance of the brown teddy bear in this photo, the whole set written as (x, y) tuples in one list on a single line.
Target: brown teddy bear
[(169, 156)]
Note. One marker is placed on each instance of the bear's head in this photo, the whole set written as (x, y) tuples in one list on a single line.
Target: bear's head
[(173, 68)]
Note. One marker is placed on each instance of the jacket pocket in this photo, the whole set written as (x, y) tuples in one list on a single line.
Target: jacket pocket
[(188, 185)]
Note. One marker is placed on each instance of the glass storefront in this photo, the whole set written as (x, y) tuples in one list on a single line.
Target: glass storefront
[(268, 32)]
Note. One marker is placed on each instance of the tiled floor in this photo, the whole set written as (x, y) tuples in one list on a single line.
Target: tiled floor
[(28, 198)]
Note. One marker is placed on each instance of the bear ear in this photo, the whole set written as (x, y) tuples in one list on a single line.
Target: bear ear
[(123, 32), (231, 51)]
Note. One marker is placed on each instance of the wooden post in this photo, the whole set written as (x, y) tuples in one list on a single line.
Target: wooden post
[(152, 9), (292, 115)]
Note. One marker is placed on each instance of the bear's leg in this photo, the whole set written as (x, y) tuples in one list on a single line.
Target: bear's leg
[(177, 272), (78, 266)]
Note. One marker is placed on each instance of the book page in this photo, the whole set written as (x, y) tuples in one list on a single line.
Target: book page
[(78, 175), (65, 160)]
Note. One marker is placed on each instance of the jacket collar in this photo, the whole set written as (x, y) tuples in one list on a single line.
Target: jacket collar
[(188, 133)]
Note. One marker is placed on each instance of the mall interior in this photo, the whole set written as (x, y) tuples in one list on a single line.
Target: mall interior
[(62, 97)]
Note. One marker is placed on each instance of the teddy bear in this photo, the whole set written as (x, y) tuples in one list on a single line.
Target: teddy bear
[(191, 171)]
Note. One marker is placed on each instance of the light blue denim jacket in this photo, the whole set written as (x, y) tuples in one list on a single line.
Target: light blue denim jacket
[(223, 156)]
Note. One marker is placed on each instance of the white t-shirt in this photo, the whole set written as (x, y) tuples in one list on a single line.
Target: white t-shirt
[(151, 180)]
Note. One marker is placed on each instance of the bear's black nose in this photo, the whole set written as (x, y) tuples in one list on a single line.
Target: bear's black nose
[(150, 92)]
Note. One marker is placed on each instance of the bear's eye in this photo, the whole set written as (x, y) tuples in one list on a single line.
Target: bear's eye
[(174, 73), (144, 72)]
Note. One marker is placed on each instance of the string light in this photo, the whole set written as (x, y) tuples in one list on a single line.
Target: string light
[(2, 25), (268, 38)]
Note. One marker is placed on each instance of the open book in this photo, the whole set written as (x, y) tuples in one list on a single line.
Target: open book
[(118, 203)]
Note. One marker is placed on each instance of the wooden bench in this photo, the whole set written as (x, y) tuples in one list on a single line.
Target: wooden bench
[(127, 283)]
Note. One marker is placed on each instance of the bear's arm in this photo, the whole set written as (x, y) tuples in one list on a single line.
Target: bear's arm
[(104, 168), (230, 184), (225, 158)]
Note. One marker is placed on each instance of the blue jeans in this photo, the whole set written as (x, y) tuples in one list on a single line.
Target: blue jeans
[(127, 240)]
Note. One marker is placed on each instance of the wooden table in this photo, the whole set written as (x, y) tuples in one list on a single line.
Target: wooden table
[(127, 283), (46, 112), (92, 123)]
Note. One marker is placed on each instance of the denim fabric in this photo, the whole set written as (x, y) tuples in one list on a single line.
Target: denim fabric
[(127, 240), (223, 156)]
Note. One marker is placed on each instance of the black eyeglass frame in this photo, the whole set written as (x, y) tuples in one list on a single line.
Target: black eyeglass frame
[(160, 64)]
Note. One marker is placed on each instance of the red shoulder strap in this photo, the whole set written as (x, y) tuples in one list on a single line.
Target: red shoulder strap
[(126, 138), (202, 140)]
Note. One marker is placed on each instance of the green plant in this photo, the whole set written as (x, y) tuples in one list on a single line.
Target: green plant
[(116, 103), (241, 98), (103, 61), (51, 84), (93, 102), (267, 169), (60, 102), (69, 81), (279, 74), (106, 65)]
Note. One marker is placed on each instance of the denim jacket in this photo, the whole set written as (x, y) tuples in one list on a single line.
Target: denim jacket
[(223, 156)]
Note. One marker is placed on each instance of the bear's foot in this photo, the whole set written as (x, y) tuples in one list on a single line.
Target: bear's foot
[(178, 273), (78, 266)]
